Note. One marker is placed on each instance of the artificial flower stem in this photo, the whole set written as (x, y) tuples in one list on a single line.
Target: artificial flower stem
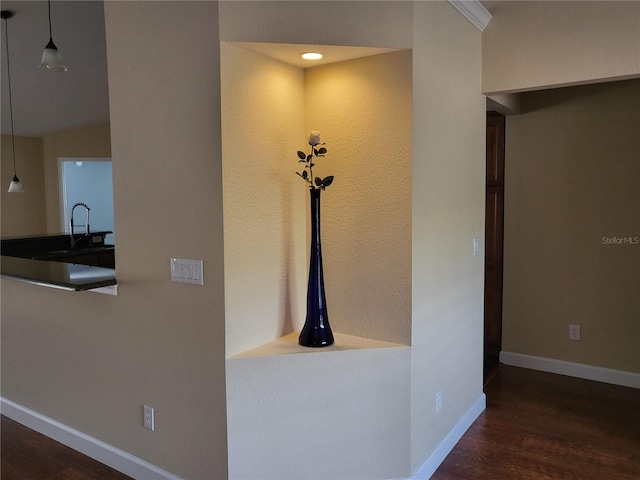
[(311, 168)]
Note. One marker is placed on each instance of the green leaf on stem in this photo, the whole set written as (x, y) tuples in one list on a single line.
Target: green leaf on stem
[(326, 181), (301, 155)]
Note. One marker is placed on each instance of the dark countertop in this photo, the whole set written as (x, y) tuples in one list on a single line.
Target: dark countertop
[(32, 245), (62, 275), (42, 235), (53, 235)]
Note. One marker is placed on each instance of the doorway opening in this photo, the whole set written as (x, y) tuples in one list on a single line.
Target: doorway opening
[(90, 181), (494, 239)]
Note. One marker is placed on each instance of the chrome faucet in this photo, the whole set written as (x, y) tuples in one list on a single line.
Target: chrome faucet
[(71, 224)]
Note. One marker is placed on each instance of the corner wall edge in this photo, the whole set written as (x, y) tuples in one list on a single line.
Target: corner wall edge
[(437, 456)]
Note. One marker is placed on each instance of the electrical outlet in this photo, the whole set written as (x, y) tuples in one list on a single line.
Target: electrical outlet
[(574, 332), (148, 417), (438, 401)]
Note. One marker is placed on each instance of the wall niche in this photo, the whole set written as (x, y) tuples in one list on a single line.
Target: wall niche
[(360, 99)]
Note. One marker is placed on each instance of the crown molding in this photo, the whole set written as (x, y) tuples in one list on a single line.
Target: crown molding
[(473, 11)]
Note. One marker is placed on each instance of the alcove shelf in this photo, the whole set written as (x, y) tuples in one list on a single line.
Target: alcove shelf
[(288, 345)]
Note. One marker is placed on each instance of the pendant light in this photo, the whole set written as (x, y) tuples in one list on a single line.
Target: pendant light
[(51, 58), (16, 185)]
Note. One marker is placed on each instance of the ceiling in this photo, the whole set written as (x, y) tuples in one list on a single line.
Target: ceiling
[(43, 101), (46, 102)]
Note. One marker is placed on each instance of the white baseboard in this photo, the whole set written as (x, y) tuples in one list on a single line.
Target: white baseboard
[(579, 370), (433, 461), (92, 447)]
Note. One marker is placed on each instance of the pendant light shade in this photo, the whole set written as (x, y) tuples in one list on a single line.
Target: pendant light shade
[(51, 58), (16, 185)]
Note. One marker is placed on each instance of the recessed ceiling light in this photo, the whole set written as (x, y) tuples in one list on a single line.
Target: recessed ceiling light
[(311, 55)]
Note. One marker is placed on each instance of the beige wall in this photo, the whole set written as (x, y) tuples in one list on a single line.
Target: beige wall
[(320, 414), (23, 214), (535, 44), (264, 212), (168, 202), (354, 23), (69, 355), (573, 179), (91, 361), (448, 211), (80, 142), (364, 110), (163, 344)]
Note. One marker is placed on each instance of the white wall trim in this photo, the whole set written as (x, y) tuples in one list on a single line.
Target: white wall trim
[(92, 447), (473, 11), (579, 370), (433, 461)]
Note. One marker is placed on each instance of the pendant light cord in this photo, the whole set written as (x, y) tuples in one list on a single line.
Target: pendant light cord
[(50, 34), (13, 138)]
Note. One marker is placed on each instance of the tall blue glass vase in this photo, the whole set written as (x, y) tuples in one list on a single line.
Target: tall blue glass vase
[(316, 331)]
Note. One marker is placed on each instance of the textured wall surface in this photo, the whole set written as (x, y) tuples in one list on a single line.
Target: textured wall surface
[(320, 415), (532, 45), (264, 202), (367, 249), (364, 110), (572, 184)]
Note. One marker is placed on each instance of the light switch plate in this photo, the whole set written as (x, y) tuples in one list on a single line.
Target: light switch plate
[(476, 246), (187, 271)]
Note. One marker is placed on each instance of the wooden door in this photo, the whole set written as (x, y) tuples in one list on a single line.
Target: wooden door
[(494, 226)]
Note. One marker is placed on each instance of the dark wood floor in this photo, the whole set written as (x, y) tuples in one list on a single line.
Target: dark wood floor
[(537, 426), (540, 426), (28, 455)]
